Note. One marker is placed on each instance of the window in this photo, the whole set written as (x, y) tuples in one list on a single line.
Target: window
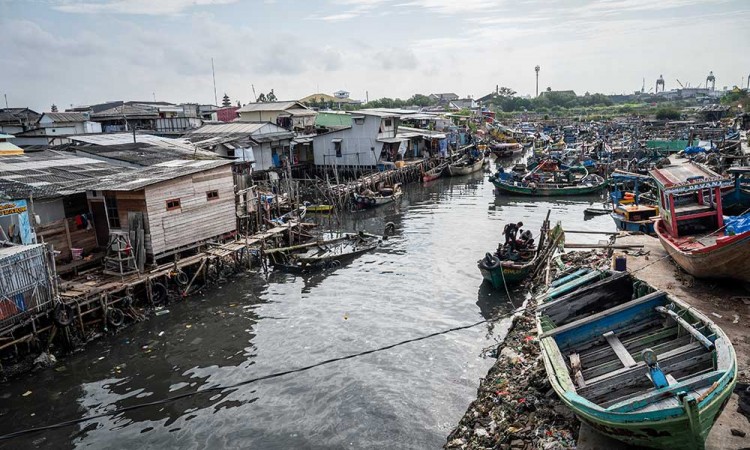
[(337, 147), (212, 195), (388, 122), (359, 120), (113, 216), (173, 204)]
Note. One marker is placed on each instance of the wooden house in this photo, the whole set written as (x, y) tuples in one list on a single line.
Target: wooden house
[(293, 116), (181, 204)]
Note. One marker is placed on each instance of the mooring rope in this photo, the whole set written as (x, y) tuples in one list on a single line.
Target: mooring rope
[(173, 398)]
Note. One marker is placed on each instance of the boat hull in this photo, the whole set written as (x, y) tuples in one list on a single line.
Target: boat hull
[(455, 171), (372, 202), (643, 226), (650, 431), (547, 192), (504, 275), (730, 260)]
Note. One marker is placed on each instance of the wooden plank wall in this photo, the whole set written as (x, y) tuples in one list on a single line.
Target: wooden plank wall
[(197, 218), (133, 202), (54, 233)]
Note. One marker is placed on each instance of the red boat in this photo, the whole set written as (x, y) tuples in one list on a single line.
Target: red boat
[(691, 228)]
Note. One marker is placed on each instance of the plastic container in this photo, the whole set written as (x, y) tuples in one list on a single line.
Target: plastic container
[(620, 263), (77, 253)]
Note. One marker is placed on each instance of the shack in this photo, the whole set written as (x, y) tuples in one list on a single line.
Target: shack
[(26, 283), (178, 205)]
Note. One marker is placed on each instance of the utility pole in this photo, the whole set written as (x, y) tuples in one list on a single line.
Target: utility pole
[(6, 97), (213, 73), (536, 69)]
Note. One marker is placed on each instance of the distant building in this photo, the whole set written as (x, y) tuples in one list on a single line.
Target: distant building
[(341, 94), (228, 114), (17, 120), (292, 115), (446, 97)]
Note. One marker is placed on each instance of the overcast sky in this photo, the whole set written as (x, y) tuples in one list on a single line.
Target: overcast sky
[(89, 51)]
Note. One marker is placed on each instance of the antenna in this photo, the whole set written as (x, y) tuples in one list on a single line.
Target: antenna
[(255, 97), (6, 98), (213, 73)]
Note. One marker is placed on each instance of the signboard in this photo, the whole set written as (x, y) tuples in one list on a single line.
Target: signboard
[(19, 210)]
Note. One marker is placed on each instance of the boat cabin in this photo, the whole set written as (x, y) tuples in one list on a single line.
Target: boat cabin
[(690, 198)]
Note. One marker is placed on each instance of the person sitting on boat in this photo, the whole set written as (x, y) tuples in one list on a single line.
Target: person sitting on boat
[(526, 240)]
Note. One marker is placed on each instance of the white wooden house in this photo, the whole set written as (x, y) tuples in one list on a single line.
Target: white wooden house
[(372, 138), (183, 203)]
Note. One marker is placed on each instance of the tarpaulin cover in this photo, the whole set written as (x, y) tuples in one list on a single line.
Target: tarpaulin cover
[(737, 224), (693, 150)]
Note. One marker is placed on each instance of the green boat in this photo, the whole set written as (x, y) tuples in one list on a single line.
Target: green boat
[(637, 364), (548, 180), (506, 272)]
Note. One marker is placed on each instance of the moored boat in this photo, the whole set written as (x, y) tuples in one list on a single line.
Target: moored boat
[(466, 165), (434, 173), (636, 364), (326, 254), (692, 227), (385, 195), (629, 212), (500, 269)]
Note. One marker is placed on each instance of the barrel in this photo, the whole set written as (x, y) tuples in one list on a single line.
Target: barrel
[(620, 263)]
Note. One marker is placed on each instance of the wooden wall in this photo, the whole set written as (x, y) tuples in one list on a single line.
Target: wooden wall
[(198, 218), (55, 233)]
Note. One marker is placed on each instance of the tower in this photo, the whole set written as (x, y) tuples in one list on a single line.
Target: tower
[(712, 79), (225, 101), (536, 69), (660, 82)]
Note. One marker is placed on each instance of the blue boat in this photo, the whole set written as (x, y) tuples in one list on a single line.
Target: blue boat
[(629, 213), (636, 364)]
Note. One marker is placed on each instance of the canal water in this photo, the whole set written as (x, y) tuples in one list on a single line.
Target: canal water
[(422, 280)]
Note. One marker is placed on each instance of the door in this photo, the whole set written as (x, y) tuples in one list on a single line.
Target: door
[(100, 223)]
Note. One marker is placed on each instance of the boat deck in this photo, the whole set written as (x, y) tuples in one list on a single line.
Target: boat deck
[(612, 374)]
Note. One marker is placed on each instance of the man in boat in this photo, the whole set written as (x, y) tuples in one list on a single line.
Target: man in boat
[(526, 240), (511, 231)]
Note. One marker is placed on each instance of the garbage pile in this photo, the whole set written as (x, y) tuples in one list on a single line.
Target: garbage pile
[(516, 407)]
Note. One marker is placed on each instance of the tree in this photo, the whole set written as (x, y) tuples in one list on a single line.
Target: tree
[(271, 96), (667, 113), (506, 92), (262, 98), (225, 102)]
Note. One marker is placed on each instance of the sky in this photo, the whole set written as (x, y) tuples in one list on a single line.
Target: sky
[(78, 52)]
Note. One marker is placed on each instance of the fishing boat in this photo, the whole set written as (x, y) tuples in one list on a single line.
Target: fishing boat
[(505, 149), (500, 269), (636, 364), (326, 254), (384, 195), (466, 165), (294, 215), (547, 180), (629, 212), (434, 173), (692, 227), (596, 211), (319, 208)]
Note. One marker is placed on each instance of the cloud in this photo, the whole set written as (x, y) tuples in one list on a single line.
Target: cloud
[(135, 7), (396, 59)]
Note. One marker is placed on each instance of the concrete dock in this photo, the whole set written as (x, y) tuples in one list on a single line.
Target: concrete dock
[(725, 302)]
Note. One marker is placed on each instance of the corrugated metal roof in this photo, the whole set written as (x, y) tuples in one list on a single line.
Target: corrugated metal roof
[(271, 106), (144, 154), (50, 174), (157, 173), (333, 120), (130, 111), (65, 117), (127, 138)]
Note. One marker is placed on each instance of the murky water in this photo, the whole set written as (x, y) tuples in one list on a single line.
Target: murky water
[(424, 279)]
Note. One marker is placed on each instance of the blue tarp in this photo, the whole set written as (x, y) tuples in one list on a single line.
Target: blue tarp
[(737, 224), (693, 150)]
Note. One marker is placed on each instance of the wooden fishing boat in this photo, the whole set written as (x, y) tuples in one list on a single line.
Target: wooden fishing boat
[(629, 212), (501, 271), (505, 149), (636, 364), (319, 208), (327, 254), (547, 179), (692, 224), (465, 166), (384, 196), (588, 185), (434, 173), (596, 211)]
